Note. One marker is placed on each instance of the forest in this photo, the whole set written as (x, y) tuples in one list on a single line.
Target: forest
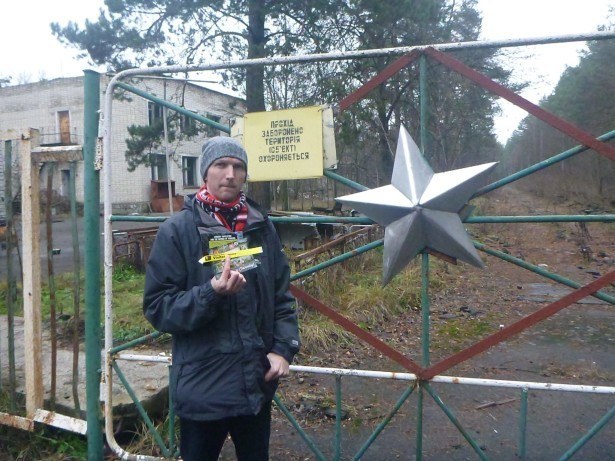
[(584, 97), (460, 114)]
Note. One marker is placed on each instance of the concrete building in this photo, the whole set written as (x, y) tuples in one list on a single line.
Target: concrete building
[(55, 108)]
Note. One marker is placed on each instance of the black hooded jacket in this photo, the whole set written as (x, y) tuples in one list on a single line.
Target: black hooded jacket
[(219, 342)]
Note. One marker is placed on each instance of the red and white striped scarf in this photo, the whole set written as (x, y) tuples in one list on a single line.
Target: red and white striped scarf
[(233, 215)]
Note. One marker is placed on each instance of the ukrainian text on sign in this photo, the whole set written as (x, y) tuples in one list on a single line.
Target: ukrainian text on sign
[(285, 144)]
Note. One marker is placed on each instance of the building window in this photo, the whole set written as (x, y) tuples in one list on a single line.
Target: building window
[(154, 112), (158, 165), (210, 130), (189, 172), (188, 125)]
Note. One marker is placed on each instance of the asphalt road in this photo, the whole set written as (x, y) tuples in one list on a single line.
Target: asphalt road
[(62, 239)]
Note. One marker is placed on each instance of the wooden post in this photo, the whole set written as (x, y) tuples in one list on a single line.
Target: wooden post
[(30, 216)]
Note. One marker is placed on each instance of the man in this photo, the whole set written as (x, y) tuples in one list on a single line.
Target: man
[(234, 334)]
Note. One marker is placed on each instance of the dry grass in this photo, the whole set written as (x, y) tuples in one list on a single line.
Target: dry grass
[(354, 289)]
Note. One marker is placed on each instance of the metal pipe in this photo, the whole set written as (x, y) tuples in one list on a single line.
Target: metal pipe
[(165, 127), (146, 419), (539, 270), (401, 376), (76, 284), (338, 418), (169, 105), (540, 218), (363, 54), (455, 421), (120, 218), (593, 431), (52, 289), (91, 87), (306, 438), (347, 182), (539, 166), (335, 260), (144, 358), (311, 219), (384, 423), (11, 292), (425, 348), (354, 372), (308, 219), (135, 342), (523, 424), (425, 307), (108, 273), (419, 423), (423, 101)]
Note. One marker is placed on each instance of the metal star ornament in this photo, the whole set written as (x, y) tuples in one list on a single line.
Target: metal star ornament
[(420, 209)]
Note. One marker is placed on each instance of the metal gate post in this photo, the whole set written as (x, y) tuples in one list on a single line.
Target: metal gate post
[(523, 424), (10, 271), (423, 100), (91, 88), (425, 344)]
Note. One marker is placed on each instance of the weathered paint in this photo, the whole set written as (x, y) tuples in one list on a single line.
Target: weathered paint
[(547, 117), (518, 327), (51, 418), (17, 422)]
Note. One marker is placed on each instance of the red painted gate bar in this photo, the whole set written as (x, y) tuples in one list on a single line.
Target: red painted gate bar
[(519, 326), (356, 330), (380, 78), (466, 354), (547, 117)]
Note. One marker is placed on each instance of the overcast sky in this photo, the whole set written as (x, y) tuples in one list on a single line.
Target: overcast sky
[(30, 52)]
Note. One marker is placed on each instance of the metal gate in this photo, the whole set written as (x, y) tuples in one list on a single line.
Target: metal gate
[(421, 376)]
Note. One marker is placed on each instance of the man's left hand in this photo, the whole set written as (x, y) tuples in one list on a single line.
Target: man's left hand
[(279, 367)]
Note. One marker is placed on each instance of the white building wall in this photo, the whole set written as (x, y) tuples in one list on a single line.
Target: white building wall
[(37, 105)]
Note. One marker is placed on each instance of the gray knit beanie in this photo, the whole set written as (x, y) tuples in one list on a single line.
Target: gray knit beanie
[(218, 147)]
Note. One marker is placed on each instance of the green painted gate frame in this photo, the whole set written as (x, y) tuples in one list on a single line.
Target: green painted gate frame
[(425, 372)]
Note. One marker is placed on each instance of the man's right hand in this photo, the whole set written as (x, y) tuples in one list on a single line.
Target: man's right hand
[(230, 282)]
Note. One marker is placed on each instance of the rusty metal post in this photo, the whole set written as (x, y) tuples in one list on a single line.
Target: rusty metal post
[(11, 292), (52, 288)]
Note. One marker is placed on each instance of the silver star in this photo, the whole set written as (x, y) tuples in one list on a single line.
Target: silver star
[(420, 208)]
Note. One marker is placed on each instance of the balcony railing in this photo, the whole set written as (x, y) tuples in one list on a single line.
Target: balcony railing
[(51, 136)]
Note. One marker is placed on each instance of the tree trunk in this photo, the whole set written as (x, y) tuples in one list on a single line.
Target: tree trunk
[(255, 89)]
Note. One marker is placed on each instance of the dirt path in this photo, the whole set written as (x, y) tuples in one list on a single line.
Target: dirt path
[(575, 346)]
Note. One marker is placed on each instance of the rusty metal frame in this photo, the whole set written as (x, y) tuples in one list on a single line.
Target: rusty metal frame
[(429, 372), (425, 373), (485, 82)]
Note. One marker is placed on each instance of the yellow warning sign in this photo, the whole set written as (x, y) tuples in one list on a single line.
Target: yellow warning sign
[(232, 254), (284, 144)]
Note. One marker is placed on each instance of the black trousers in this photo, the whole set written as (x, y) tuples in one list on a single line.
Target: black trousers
[(203, 440)]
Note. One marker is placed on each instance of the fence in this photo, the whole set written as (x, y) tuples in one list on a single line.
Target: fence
[(98, 157)]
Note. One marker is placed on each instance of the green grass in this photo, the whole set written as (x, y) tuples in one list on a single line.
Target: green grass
[(128, 320), (354, 289), (456, 334), (44, 443)]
